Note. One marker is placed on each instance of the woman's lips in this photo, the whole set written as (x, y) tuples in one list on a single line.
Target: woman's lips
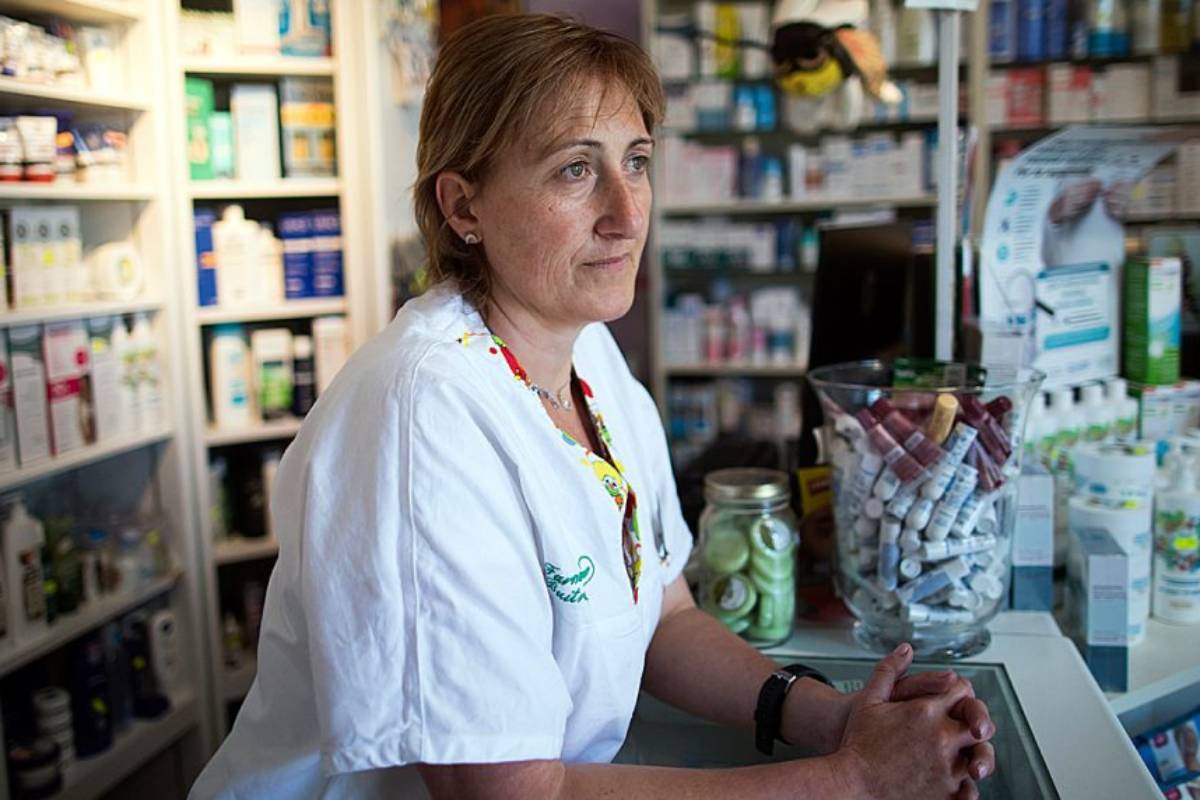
[(608, 263)]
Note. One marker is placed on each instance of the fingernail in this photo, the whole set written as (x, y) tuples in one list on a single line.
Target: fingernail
[(981, 771), (902, 650)]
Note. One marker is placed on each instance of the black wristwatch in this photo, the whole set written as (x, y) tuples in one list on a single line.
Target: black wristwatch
[(768, 715)]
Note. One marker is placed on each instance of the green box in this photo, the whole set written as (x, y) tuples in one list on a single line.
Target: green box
[(1153, 293), (220, 143), (198, 99)]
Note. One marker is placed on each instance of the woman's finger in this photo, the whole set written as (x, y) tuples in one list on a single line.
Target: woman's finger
[(973, 713), (967, 791), (922, 684), (982, 761)]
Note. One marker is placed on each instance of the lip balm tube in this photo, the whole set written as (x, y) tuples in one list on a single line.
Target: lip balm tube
[(918, 515), (969, 514), (899, 505), (869, 467), (986, 584), (993, 437), (887, 485), (989, 522), (945, 409), (917, 590), (939, 550), (868, 560), (956, 449), (961, 597), (886, 600), (905, 466), (990, 476), (848, 427), (918, 614), (910, 541), (910, 568), (865, 528), (889, 554), (915, 442), (946, 512), (873, 508)]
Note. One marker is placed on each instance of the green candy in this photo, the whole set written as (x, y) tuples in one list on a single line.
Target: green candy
[(738, 625), (771, 537), (784, 567), (766, 582), (775, 634), (775, 609), (730, 596), (726, 550)]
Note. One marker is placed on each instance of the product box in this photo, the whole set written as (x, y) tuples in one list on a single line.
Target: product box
[(1100, 589), (327, 253), (27, 276), (29, 393), (1120, 93), (1187, 175), (1166, 411), (295, 230), (206, 257), (68, 254), (1153, 293), (255, 109), (1058, 28), (1026, 89), (674, 55), (257, 26), (67, 359), (107, 413), (220, 139), (1069, 89), (1031, 30), (330, 348), (306, 116), (1003, 30), (1033, 541), (1184, 243), (198, 104), (8, 423), (304, 27)]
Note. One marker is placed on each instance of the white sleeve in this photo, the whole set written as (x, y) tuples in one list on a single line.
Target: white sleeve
[(428, 621)]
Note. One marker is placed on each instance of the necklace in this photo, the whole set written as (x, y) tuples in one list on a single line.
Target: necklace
[(556, 400)]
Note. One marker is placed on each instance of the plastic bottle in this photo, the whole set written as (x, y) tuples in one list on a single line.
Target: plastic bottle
[(229, 371), (1035, 425), (235, 245), (149, 387), (1124, 409), (1071, 423), (304, 376), (127, 394), (1097, 414), (24, 538)]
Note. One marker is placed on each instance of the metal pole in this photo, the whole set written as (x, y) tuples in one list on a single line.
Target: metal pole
[(949, 25)]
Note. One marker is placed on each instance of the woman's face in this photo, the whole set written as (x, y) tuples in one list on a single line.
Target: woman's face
[(563, 216)]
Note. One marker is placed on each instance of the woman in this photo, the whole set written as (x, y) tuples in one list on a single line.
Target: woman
[(480, 541)]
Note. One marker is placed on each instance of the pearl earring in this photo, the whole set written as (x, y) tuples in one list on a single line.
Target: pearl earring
[(471, 238)]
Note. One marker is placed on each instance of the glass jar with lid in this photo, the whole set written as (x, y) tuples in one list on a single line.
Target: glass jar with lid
[(746, 553)]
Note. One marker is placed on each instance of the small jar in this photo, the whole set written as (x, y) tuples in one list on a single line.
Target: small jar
[(747, 553)]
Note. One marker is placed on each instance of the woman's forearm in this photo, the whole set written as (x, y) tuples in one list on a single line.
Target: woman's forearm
[(696, 664)]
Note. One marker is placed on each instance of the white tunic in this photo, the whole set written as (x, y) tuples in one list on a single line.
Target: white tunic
[(451, 585)]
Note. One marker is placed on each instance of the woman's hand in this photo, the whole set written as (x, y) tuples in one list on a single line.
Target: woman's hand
[(923, 747)]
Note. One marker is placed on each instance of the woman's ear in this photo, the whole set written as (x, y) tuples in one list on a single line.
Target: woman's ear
[(454, 194)]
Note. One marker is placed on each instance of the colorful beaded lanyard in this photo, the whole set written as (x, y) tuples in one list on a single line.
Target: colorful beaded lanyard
[(605, 466)]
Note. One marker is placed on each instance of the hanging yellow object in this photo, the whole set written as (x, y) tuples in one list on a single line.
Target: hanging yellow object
[(728, 31), (814, 83)]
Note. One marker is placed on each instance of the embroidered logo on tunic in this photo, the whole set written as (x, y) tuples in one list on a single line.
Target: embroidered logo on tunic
[(569, 588)]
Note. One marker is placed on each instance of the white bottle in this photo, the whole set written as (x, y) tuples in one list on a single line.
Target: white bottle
[(128, 394), (1125, 409), (1035, 426), (1096, 413), (149, 387), (235, 247), (270, 267), (330, 347), (24, 538), (1071, 424), (229, 370)]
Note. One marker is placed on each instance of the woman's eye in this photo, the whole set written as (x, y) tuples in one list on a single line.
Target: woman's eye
[(639, 163), (576, 170)]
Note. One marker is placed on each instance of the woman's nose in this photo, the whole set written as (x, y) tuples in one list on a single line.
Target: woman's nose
[(621, 213)]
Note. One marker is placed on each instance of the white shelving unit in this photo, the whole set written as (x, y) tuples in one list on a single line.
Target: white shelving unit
[(364, 280), (759, 207), (138, 209)]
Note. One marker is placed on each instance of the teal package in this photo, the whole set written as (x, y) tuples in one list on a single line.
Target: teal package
[(1153, 300), (304, 28)]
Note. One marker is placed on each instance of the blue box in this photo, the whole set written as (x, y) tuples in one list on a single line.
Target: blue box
[(304, 28), (1002, 30), (1101, 595), (327, 253), (1058, 29), (295, 231), (1031, 30), (1033, 541), (206, 257)]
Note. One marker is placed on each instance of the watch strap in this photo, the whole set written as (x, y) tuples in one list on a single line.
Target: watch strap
[(768, 714)]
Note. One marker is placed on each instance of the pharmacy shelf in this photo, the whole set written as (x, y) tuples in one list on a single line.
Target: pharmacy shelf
[(11, 319), (49, 95), (90, 778), (263, 432), (751, 207), (236, 681), (102, 11), (70, 626), (734, 370), (74, 192), (234, 551), (1167, 661), (291, 309), (259, 66), (1162, 216), (82, 457), (265, 190)]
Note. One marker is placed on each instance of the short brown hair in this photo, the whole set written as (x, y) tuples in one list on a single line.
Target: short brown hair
[(493, 78)]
